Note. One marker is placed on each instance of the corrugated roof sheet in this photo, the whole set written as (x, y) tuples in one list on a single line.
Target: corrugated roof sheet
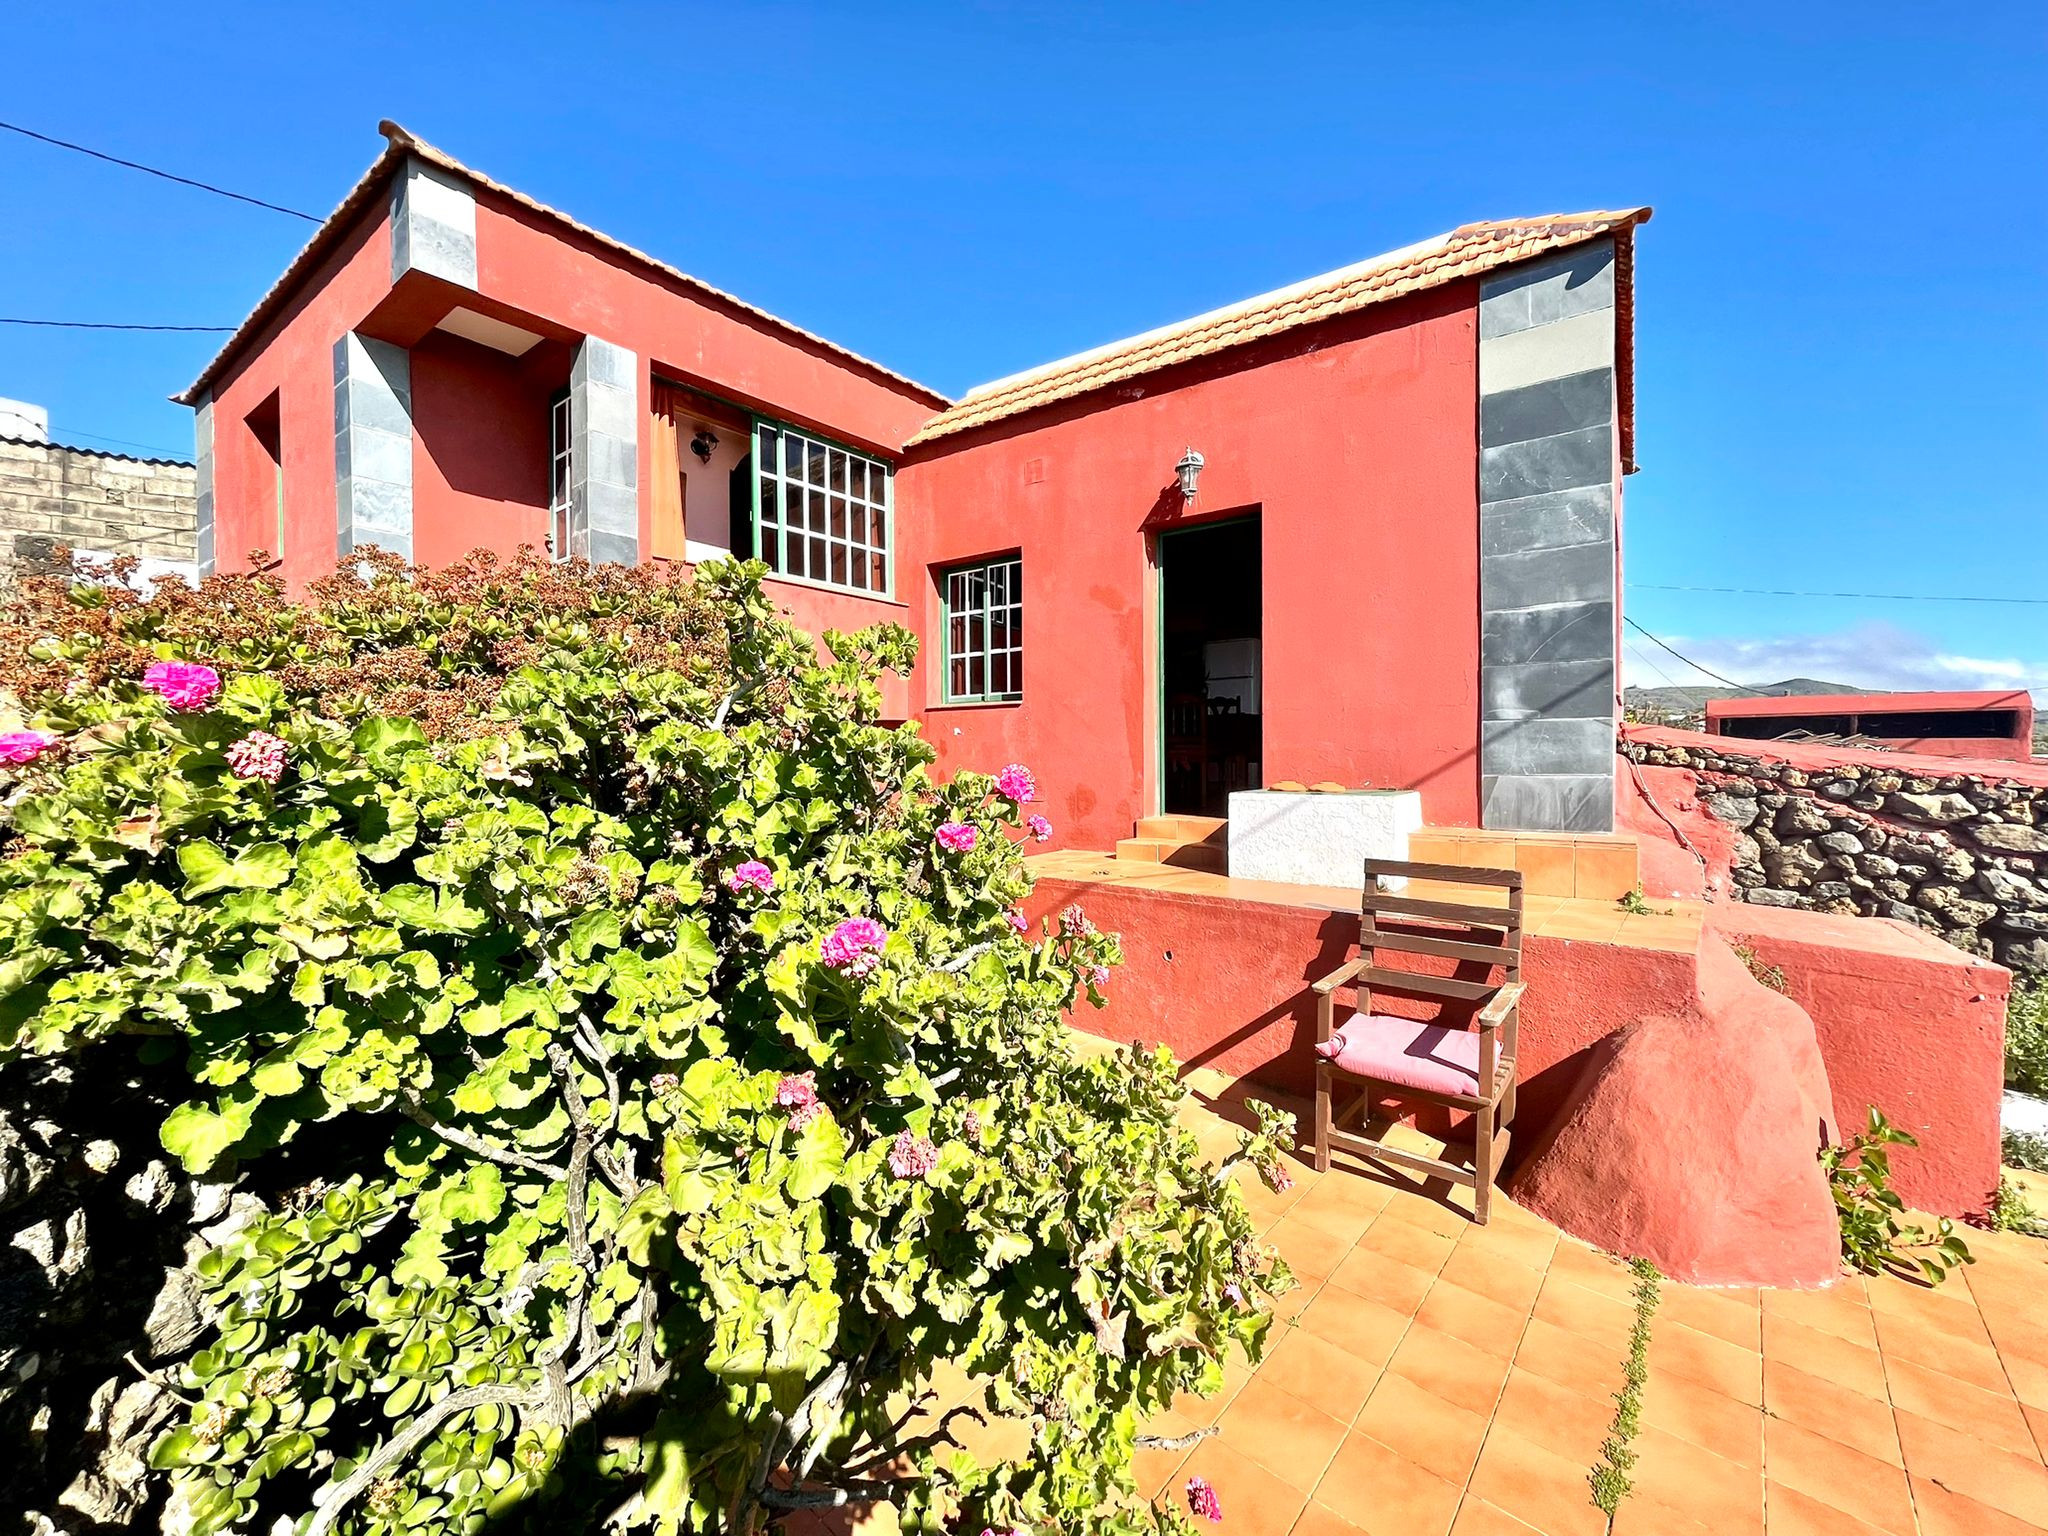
[(399, 144), (97, 453), (1465, 252)]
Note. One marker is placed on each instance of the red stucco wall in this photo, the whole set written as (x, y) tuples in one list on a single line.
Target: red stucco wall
[(1357, 445)]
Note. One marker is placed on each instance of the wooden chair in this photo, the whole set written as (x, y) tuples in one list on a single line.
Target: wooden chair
[(1387, 1057)]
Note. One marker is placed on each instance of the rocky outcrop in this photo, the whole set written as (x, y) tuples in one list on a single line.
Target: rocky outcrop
[(1962, 855)]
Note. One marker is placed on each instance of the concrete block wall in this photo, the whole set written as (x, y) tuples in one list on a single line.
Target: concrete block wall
[(372, 445), (1549, 486), (100, 503)]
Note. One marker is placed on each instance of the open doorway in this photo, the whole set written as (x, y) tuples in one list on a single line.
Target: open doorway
[(1209, 664)]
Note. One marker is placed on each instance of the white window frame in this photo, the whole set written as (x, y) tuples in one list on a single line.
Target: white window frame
[(975, 597), (847, 499), (561, 464)]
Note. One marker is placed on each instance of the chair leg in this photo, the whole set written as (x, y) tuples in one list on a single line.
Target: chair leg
[(1322, 1117), (1484, 1122)]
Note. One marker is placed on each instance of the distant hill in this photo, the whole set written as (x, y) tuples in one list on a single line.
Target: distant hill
[(1690, 701)]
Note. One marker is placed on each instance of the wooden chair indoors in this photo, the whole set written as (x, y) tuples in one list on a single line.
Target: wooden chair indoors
[(1387, 1057)]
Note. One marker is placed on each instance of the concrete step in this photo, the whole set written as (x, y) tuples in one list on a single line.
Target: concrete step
[(1186, 829), (1209, 857), (1145, 850)]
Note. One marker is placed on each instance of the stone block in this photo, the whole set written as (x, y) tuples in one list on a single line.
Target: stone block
[(1575, 573), (1544, 464), (1547, 802), (1551, 690), (1318, 839), (1570, 404), (613, 549), (1561, 632), (1552, 288), (1576, 344), (1546, 746)]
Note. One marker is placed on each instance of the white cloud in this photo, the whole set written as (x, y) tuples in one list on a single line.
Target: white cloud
[(1873, 655)]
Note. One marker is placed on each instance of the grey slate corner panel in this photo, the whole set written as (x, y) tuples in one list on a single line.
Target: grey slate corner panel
[(604, 479), (1547, 498), (202, 458), (372, 445), (433, 224)]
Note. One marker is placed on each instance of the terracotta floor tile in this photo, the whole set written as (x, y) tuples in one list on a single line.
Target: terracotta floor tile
[(1387, 1281), (1788, 1512), (1321, 1520), (1354, 1323), (1871, 1490), (1537, 1487), (1560, 1420), (1281, 1433), (1840, 1310), (1385, 1493), (1727, 1368), (1437, 1436), (1343, 1205), (2037, 1422), (1823, 1354), (1461, 1374), (1253, 1499), (1154, 1470), (1404, 1240), (1290, 1304), (1308, 1248), (1828, 1408), (1722, 1495), (1476, 1517), (1466, 1315), (1591, 1315), (1701, 1416), (1321, 1374), (1640, 1515), (1494, 1274), (1993, 1417), (1513, 1234), (1596, 1271), (2012, 1485), (1944, 1512), (2028, 1379), (1563, 1357), (1730, 1315), (1427, 1213), (1933, 1345), (1949, 1308)]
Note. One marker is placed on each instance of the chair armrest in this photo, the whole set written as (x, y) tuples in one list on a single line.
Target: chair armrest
[(1338, 977), (1497, 1008)]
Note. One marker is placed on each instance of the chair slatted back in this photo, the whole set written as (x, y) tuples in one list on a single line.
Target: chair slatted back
[(1486, 932)]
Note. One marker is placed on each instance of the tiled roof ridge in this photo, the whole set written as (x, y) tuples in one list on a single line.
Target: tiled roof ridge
[(97, 453), (1463, 252), (401, 142)]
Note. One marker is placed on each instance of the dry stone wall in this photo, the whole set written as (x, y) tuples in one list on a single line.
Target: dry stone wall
[(1961, 855)]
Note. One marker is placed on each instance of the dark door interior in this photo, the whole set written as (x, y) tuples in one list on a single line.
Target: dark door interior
[(1211, 670)]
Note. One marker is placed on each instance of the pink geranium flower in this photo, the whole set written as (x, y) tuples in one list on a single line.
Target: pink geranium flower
[(958, 837), (184, 685), (912, 1156), (17, 747), (1098, 975), (1016, 919), (1202, 1499), (750, 876), (1234, 1294), (258, 755), (798, 1093), (1015, 783), (970, 1125), (1074, 922), (854, 946), (1039, 827)]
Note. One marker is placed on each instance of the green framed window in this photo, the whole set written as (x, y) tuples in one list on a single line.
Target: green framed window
[(984, 631), (823, 512)]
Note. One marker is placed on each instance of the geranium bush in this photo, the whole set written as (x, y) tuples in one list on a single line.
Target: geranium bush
[(656, 1076)]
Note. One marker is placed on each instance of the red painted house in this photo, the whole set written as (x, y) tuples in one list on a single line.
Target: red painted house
[(1362, 529), (1993, 722)]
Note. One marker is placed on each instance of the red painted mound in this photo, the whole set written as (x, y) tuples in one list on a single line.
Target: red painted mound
[(1693, 1141)]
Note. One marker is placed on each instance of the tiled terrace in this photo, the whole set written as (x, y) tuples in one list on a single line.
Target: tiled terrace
[(1429, 1376)]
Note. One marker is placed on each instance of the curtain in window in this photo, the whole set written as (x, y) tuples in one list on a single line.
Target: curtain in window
[(666, 477)]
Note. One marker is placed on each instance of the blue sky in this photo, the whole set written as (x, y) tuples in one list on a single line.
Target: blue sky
[(1842, 370)]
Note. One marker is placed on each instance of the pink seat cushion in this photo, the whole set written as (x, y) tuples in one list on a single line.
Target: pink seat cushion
[(1406, 1052)]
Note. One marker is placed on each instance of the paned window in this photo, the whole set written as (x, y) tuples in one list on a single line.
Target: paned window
[(821, 512), (985, 631), (559, 437)]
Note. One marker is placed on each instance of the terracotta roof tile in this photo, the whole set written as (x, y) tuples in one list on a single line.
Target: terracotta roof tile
[(1465, 252), (399, 145)]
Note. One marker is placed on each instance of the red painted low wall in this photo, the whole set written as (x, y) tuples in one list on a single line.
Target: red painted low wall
[(1905, 1022)]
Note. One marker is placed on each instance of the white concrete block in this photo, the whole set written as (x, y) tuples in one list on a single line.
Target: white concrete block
[(1319, 839)]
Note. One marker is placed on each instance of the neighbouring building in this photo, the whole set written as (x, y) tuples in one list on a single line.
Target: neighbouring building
[(1364, 529), (99, 504), (1997, 723)]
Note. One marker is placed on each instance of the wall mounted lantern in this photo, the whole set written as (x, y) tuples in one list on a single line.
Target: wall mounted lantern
[(704, 444), (1189, 469)]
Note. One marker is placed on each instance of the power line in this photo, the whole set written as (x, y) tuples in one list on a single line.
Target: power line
[(150, 170), (107, 325), (1886, 597), (1717, 677), (1639, 656)]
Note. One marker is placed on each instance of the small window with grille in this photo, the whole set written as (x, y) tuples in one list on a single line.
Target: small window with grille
[(984, 630)]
